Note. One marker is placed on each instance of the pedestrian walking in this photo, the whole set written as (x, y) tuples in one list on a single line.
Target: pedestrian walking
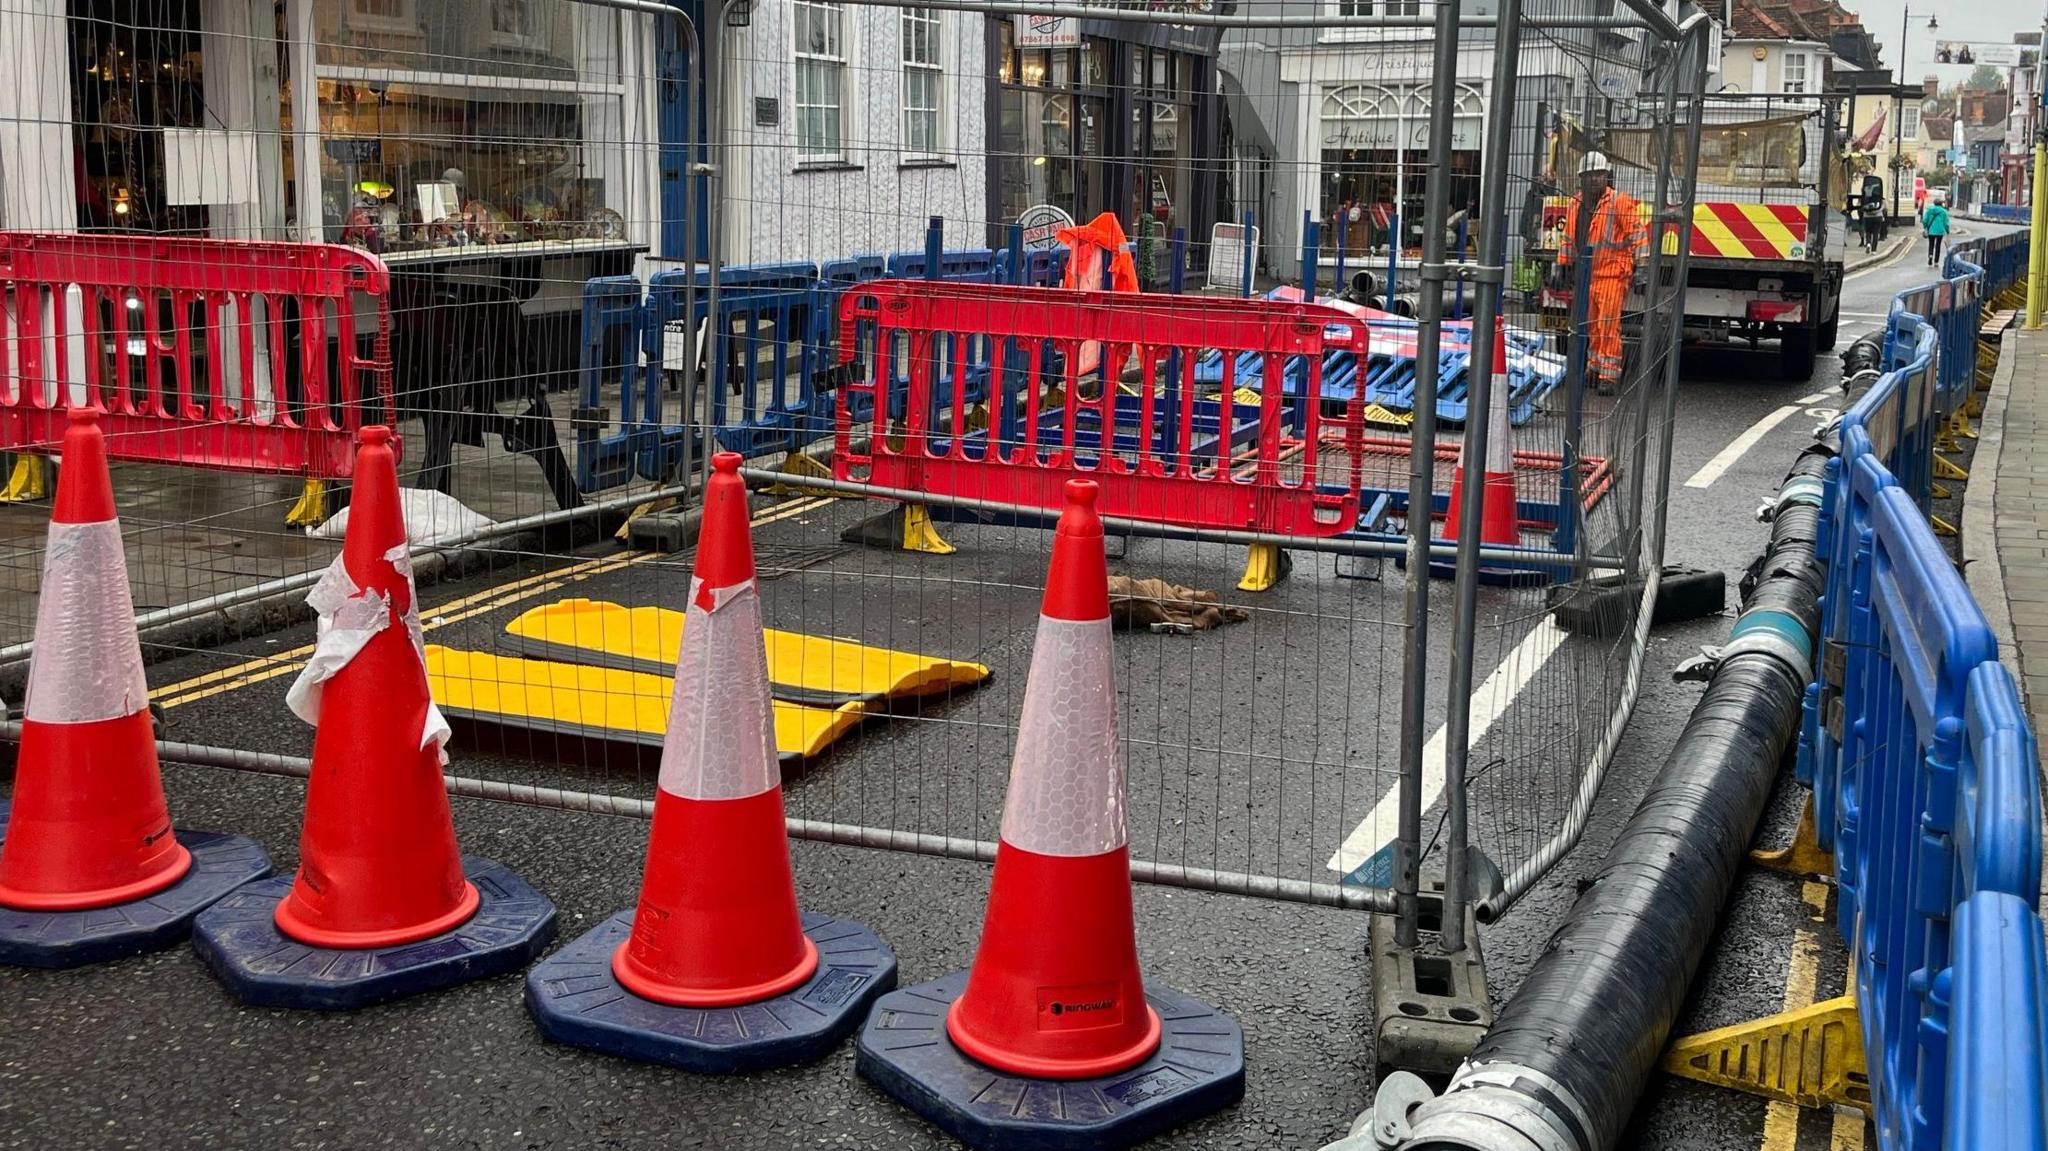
[(1935, 221)]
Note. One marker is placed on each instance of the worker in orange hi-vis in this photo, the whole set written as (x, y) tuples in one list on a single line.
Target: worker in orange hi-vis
[(1612, 223)]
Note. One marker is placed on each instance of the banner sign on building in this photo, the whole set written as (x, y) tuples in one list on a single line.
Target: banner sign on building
[(1046, 31), (1042, 224)]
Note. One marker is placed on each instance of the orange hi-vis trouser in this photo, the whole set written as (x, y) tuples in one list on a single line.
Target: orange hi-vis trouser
[(1603, 329)]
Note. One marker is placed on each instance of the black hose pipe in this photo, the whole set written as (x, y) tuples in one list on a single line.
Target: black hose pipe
[(1865, 355), (1562, 1067)]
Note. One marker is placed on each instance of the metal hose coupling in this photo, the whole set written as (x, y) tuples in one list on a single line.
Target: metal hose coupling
[(1487, 1107)]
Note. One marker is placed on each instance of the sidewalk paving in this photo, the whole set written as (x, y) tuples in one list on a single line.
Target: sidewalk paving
[(2008, 571)]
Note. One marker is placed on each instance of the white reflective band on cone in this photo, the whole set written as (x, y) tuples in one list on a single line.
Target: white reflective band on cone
[(721, 731), (1500, 446), (349, 618), (1066, 792), (87, 666)]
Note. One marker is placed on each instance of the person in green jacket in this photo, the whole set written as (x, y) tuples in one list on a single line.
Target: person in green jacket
[(1935, 220)]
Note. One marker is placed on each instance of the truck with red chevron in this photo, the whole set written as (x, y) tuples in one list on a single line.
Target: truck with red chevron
[(1766, 250)]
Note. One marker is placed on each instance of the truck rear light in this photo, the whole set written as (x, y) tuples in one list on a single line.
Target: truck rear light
[(1776, 311)]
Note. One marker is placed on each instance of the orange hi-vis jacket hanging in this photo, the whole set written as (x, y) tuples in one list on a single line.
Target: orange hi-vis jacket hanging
[(1617, 237)]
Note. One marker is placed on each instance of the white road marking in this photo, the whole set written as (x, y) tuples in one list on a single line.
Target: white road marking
[(1490, 701), (1713, 469)]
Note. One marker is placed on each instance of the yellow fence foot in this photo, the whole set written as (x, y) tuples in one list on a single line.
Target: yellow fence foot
[(906, 527), (311, 510), (625, 531), (1959, 423), (1939, 491), (920, 534), (1803, 856), (26, 481), (1265, 566), (1812, 1057), (1387, 417), (1942, 527), (800, 466), (1946, 469)]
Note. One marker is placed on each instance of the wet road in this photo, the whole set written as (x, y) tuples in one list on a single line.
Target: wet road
[(1262, 748)]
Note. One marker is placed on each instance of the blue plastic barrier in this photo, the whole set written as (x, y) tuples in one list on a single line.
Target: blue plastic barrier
[(1039, 268), (610, 355), (772, 390), (2006, 213), (1923, 768)]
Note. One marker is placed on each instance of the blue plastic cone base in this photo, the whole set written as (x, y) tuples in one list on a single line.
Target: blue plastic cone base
[(220, 864), (1198, 1069), (239, 940), (577, 1000)]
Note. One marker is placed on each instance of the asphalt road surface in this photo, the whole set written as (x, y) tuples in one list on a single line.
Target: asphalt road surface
[(1264, 747)]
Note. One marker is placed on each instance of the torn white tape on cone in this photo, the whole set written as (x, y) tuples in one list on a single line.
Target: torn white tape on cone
[(87, 666), (349, 618), (721, 729), (1066, 794)]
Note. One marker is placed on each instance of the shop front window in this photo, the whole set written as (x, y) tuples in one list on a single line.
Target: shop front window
[(441, 126), (1374, 155), (1036, 151)]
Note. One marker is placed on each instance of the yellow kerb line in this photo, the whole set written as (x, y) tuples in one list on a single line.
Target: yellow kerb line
[(1781, 1120), (264, 668)]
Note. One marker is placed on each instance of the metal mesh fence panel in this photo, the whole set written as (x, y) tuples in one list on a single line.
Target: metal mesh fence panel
[(917, 263)]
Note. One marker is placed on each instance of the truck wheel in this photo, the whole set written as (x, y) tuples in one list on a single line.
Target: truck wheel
[(1826, 340), (1795, 354)]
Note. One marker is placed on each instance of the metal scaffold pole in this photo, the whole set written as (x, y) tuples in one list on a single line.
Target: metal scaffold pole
[(1422, 475), (1489, 274)]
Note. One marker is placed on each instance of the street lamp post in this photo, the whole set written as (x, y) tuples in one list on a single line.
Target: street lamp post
[(1898, 101)]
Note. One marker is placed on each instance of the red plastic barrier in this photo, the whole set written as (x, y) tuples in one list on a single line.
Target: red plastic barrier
[(187, 347), (1161, 464)]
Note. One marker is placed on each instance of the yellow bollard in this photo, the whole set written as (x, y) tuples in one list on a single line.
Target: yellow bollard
[(2037, 246)]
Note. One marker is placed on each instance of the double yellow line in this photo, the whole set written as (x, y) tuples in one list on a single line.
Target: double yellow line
[(268, 667), (1781, 1120)]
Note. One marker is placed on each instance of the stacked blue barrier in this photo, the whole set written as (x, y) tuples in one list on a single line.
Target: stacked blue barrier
[(1923, 768), (773, 391), (1388, 377)]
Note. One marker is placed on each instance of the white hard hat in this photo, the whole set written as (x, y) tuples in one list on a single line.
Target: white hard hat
[(1594, 162)]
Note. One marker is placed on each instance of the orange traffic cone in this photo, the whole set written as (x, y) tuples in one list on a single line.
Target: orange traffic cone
[(379, 871), (378, 865), (717, 922), (717, 926), (1054, 1002), (1499, 521), (1055, 992), (89, 827)]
